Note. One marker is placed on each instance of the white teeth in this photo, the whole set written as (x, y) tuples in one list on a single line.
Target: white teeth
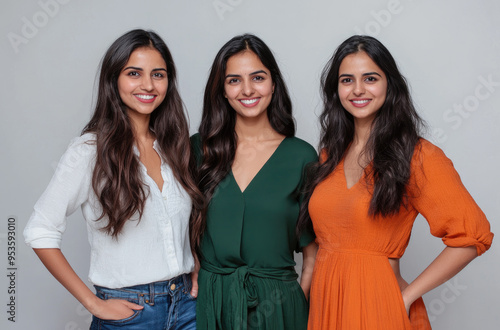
[(360, 101), (145, 97), (252, 101)]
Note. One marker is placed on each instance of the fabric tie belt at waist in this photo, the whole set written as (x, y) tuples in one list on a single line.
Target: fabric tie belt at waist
[(242, 291), (357, 251)]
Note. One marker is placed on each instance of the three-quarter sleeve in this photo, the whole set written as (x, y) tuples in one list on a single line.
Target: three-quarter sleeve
[(68, 189), (309, 158), (438, 193)]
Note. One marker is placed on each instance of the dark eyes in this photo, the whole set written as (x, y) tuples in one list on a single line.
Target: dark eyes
[(157, 75), (237, 80), (368, 79), (133, 74)]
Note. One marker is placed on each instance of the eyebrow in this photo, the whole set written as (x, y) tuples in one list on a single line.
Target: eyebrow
[(251, 74), (364, 74), (141, 69)]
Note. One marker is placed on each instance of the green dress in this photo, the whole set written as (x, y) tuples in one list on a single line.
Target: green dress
[(247, 278)]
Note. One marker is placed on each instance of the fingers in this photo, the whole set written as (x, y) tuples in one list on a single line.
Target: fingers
[(116, 309), (131, 305), (194, 291), (194, 288)]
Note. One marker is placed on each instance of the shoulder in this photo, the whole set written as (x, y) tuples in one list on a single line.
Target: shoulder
[(86, 138), (429, 163), (83, 146), (301, 149), (428, 153), (78, 159)]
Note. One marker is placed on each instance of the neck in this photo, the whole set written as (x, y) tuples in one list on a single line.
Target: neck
[(254, 129), (362, 130), (140, 125)]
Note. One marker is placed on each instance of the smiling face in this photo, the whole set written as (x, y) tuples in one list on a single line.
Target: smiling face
[(248, 85), (143, 82), (362, 87)]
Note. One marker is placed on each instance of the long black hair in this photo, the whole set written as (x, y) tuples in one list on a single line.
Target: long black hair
[(394, 133), (217, 128), (116, 178)]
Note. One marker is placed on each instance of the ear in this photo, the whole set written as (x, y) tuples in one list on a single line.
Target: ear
[(273, 88)]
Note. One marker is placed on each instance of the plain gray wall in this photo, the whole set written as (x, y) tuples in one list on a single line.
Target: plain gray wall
[(50, 52)]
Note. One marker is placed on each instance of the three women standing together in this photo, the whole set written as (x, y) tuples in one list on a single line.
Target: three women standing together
[(245, 188)]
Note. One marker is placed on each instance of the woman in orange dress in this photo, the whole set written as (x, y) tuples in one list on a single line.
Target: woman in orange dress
[(375, 176)]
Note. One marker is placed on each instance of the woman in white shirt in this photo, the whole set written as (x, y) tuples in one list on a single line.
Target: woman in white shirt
[(130, 172)]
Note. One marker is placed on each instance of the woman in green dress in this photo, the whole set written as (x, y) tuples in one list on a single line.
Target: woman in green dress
[(251, 171)]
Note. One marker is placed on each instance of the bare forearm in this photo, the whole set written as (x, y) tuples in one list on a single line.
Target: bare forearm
[(444, 267), (58, 266), (309, 257)]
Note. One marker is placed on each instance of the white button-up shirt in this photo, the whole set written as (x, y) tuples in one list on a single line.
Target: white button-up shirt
[(154, 248)]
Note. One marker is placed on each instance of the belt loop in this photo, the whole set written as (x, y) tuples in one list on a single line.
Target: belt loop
[(185, 282), (151, 294)]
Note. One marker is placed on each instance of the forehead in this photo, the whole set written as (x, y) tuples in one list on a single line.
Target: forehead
[(358, 62), (146, 56), (244, 62)]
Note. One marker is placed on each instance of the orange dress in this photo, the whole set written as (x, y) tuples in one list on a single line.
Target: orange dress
[(354, 286)]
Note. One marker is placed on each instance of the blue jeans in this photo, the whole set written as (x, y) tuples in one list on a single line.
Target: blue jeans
[(167, 305)]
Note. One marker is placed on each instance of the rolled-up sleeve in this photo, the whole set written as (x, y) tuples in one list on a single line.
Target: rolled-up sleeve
[(68, 189), (443, 200)]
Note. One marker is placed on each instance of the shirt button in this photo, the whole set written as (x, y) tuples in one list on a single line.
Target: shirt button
[(172, 287)]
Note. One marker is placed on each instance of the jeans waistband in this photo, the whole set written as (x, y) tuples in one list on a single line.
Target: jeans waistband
[(154, 288)]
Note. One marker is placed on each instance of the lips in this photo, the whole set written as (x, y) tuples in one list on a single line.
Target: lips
[(359, 103), (145, 98), (250, 102)]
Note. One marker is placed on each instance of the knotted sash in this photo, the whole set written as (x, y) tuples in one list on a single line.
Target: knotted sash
[(242, 294)]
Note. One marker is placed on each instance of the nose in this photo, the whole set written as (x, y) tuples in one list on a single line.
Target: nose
[(359, 88), (147, 83), (247, 88)]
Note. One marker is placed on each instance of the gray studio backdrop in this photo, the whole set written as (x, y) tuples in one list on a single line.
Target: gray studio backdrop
[(50, 51)]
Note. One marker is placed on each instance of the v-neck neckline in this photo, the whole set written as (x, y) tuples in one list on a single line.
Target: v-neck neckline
[(156, 148), (342, 163), (259, 171)]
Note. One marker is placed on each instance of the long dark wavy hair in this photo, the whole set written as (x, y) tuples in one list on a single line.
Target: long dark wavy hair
[(116, 179), (217, 128), (394, 133)]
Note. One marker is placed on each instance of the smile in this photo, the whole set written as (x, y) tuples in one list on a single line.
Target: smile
[(145, 98), (250, 102), (360, 103)]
